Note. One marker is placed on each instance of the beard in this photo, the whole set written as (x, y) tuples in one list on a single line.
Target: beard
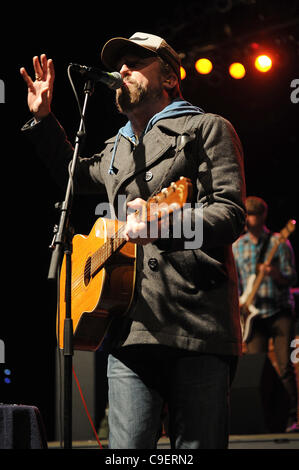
[(130, 96)]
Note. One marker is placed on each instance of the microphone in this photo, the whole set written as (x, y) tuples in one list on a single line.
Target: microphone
[(112, 79)]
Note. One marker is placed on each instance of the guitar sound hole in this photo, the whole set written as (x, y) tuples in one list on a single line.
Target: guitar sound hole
[(87, 271)]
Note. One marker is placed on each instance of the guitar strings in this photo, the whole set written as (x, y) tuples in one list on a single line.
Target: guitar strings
[(102, 254), (98, 258)]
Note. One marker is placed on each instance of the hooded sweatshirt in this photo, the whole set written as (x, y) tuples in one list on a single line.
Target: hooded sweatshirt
[(177, 107)]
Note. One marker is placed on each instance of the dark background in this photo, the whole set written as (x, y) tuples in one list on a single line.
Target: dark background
[(259, 107)]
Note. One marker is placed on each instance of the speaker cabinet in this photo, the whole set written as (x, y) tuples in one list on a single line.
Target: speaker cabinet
[(259, 403), (21, 427)]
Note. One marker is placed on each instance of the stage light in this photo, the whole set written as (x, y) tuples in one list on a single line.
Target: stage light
[(263, 63), (183, 73), (7, 373), (237, 70), (203, 66)]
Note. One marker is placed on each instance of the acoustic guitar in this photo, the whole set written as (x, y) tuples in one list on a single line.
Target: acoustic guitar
[(247, 308), (103, 271)]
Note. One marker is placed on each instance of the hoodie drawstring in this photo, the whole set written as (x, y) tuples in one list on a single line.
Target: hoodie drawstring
[(111, 170)]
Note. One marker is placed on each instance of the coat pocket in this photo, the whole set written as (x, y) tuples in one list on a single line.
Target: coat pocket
[(196, 267)]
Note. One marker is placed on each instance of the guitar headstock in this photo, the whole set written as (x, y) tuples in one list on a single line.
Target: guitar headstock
[(288, 229), (169, 199)]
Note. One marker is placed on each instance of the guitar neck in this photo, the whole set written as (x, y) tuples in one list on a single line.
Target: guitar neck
[(101, 256), (174, 197), (261, 274)]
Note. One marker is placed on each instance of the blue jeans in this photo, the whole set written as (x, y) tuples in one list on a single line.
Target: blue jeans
[(195, 387)]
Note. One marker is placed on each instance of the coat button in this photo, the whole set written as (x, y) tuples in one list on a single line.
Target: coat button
[(153, 264), (148, 176)]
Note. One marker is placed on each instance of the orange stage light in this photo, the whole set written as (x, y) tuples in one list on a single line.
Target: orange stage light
[(203, 66), (263, 63), (237, 70), (183, 73)]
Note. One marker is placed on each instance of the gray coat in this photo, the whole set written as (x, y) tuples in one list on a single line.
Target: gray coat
[(184, 297)]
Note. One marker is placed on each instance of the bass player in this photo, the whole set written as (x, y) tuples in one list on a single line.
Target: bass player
[(274, 301)]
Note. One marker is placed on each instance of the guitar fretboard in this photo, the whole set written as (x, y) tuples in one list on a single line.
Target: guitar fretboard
[(100, 256), (174, 197)]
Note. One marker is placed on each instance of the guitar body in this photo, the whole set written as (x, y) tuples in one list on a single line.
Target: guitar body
[(248, 312), (247, 316), (96, 297), (103, 270)]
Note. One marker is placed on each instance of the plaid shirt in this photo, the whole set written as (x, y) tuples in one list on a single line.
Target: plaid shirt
[(271, 297)]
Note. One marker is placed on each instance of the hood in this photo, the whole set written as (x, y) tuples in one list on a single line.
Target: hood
[(178, 107)]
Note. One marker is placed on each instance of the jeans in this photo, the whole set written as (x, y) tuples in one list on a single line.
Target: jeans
[(194, 386), (280, 327)]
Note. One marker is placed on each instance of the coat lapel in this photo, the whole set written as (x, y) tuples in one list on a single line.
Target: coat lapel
[(156, 143), (150, 149)]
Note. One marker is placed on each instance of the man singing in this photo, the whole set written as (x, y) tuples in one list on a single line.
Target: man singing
[(179, 343)]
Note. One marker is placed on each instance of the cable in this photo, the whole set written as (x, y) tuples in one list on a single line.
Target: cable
[(86, 409), (76, 95)]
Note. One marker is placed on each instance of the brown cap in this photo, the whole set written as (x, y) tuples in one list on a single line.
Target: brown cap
[(256, 206), (143, 43)]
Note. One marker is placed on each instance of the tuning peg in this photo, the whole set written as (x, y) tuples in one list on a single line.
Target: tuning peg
[(174, 206), (164, 212), (164, 191), (173, 186)]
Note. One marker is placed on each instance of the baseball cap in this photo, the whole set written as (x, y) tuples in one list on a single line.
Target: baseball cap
[(142, 43)]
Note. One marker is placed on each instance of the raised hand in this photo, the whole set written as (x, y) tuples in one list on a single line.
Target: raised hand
[(40, 91)]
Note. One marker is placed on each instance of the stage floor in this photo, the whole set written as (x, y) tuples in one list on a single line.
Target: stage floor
[(263, 441)]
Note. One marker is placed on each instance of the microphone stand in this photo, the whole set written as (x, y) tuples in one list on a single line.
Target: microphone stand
[(62, 244)]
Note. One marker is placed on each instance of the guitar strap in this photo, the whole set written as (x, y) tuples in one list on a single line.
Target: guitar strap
[(264, 249)]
